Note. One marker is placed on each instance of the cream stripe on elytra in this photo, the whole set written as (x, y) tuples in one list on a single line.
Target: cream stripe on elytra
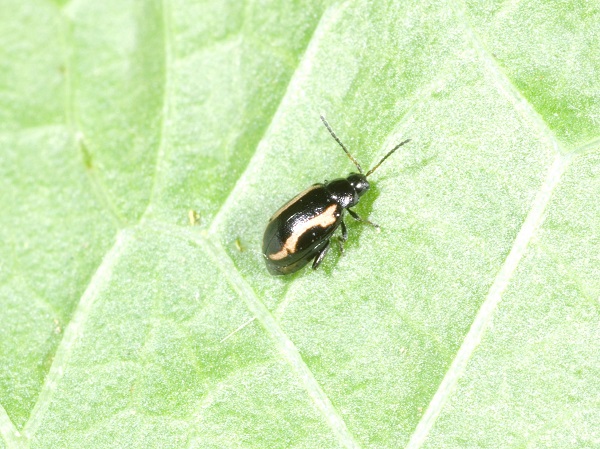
[(293, 200), (323, 220)]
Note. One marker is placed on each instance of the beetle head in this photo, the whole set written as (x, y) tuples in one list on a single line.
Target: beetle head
[(359, 183)]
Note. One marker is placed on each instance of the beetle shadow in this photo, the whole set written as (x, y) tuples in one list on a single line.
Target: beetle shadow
[(355, 230), (364, 209)]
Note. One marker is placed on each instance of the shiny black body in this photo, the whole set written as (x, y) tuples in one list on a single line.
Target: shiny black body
[(301, 230)]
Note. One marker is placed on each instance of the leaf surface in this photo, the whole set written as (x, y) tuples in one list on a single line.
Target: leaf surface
[(144, 146)]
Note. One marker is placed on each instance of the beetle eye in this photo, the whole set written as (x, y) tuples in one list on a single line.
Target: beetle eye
[(359, 183), (362, 187)]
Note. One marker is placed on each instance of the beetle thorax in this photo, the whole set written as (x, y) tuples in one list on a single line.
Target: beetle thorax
[(347, 191)]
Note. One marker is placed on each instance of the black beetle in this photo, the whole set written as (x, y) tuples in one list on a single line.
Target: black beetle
[(302, 228)]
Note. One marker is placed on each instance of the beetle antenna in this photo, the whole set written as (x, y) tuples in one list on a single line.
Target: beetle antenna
[(342, 145), (386, 156)]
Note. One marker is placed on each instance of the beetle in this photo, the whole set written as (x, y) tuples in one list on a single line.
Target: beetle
[(301, 230)]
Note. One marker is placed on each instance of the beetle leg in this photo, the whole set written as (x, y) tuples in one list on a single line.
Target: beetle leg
[(319, 258), (357, 218), (342, 238), (344, 232)]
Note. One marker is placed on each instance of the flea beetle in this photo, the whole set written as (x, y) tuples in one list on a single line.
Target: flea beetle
[(300, 231)]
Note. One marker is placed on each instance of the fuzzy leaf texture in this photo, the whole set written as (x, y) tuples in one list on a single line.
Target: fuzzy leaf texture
[(144, 146)]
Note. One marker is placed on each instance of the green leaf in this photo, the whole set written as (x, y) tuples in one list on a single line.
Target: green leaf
[(144, 145)]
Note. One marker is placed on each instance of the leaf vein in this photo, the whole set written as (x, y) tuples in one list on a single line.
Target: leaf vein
[(283, 342), (99, 190), (589, 147), (73, 331), (9, 432), (480, 324), (285, 345), (504, 84), (166, 107), (302, 71)]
